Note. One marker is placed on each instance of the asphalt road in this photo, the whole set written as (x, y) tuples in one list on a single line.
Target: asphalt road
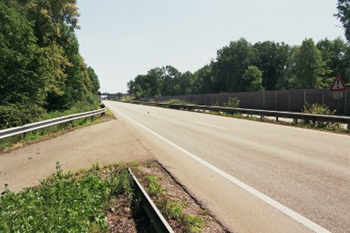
[(106, 143), (253, 176)]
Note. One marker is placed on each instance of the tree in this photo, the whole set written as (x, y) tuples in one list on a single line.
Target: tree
[(154, 78), (343, 15), (252, 79), (185, 83), (308, 67), (232, 62), (23, 79), (272, 59), (41, 67), (170, 83), (203, 80), (94, 80), (335, 54)]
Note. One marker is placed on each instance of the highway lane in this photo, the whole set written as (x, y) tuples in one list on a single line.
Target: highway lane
[(306, 171)]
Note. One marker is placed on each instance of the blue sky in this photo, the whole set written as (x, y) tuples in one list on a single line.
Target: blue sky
[(123, 38)]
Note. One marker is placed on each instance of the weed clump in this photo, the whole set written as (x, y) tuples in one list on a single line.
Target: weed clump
[(232, 102), (64, 202), (322, 110), (172, 209)]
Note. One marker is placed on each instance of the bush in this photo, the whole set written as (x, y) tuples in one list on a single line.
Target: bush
[(321, 110), (13, 115), (232, 102), (318, 109)]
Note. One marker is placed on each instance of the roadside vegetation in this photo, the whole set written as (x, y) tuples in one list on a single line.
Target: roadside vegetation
[(232, 103), (322, 110), (18, 141), (172, 209), (42, 74), (65, 202), (99, 199), (177, 101)]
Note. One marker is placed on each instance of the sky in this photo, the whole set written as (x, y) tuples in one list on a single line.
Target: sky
[(123, 38)]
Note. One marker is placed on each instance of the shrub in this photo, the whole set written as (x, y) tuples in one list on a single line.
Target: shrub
[(13, 115), (318, 109), (232, 102), (322, 110)]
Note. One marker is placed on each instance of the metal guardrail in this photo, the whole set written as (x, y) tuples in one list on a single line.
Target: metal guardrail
[(47, 123), (145, 203), (292, 115)]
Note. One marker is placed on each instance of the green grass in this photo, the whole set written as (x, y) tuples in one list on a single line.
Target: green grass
[(64, 202), (176, 101), (109, 113), (172, 209)]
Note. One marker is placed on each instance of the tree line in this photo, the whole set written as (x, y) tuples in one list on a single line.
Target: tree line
[(242, 66), (41, 68)]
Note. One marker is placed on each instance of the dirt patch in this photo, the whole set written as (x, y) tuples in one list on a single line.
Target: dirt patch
[(120, 216)]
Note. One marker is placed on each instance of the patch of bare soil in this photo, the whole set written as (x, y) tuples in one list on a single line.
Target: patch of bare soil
[(120, 216)]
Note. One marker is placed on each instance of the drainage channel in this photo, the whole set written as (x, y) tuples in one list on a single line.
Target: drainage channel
[(144, 207)]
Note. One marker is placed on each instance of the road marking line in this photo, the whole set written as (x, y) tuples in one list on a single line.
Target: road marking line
[(294, 215), (214, 126)]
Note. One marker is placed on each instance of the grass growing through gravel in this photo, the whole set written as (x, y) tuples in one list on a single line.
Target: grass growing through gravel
[(172, 209), (65, 202)]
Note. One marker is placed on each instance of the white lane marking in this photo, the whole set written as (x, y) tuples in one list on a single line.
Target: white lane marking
[(214, 126), (294, 215)]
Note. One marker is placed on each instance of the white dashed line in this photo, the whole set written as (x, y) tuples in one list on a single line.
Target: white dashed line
[(214, 126)]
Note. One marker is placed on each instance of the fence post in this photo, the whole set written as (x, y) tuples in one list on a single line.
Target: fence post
[(264, 100), (304, 97), (323, 97), (289, 101), (345, 102), (275, 101)]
